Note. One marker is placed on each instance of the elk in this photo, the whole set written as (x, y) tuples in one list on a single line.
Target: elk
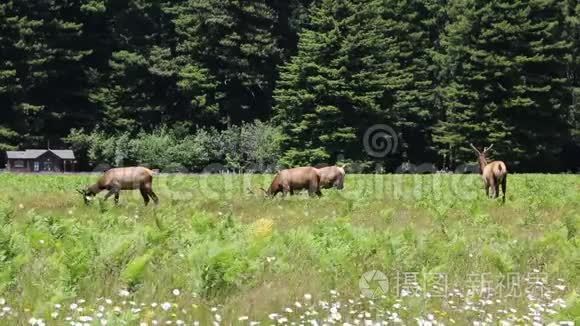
[(295, 179), (331, 176), (493, 173), (117, 179)]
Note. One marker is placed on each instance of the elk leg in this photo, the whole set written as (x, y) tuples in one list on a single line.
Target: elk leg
[(503, 186), (496, 190), (116, 198), (153, 196), (486, 190), (145, 195), (493, 187), (111, 192), (313, 189), (285, 190)]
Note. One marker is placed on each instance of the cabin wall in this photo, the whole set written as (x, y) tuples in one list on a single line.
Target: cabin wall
[(42, 164), (14, 165)]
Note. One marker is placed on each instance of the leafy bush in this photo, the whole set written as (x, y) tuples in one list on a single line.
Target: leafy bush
[(250, 146)]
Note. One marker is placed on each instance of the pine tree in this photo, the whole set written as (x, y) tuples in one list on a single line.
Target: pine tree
[(504, 64), (136, 87), (412, 29), (8, 80), (232, 43), (332, 90), (42, 68)]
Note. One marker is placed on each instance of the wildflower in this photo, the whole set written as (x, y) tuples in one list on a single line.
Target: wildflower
[(272, 316), (560, 287), (213, 309), (242, 318), (166, 306), (124, 293), (179, 322), (109, 301), (176, 292), (288, 310), (154, 304), (86, 318), (298, 304), (103, 322), (54, 315), (334, 314), (2, 301), (262, 228), (270, 259), (117, 309), (217, 317), (74, 306), (307, 297), (41, 241), (282, 320), (143, 324)]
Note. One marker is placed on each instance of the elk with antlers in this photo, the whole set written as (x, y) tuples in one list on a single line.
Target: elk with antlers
[(493, 173)]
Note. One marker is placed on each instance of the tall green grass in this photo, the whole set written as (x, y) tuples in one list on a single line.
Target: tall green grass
[(222, 245)]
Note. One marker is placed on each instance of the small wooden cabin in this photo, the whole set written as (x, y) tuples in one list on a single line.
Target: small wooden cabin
[(41, 160)]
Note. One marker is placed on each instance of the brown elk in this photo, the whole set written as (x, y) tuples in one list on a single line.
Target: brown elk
[(117, 179), (295, 179), (331, 176), (493, 173)]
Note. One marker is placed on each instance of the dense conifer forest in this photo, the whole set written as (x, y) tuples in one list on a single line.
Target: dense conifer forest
[(292, 82)]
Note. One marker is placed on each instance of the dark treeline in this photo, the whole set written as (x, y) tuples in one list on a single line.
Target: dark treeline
[(117, 79)]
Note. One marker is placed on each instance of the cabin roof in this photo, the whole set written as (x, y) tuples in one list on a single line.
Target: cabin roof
[(65, 154)]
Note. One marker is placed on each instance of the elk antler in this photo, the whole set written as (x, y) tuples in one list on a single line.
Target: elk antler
[(486, 149), (474, 148)]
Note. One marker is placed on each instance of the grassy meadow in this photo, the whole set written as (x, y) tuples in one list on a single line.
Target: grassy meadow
[(213, 251)]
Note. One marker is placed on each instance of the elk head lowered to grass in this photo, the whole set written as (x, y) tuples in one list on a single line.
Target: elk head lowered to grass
[(117, 179), (493, 173), (296, 179)]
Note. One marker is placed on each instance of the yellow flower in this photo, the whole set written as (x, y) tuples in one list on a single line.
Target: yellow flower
[(262, 228), (148, 316)]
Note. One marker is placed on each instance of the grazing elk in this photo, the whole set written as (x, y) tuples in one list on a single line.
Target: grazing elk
[(296, 179), (331, 176), (117, 179), (493, 173)]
